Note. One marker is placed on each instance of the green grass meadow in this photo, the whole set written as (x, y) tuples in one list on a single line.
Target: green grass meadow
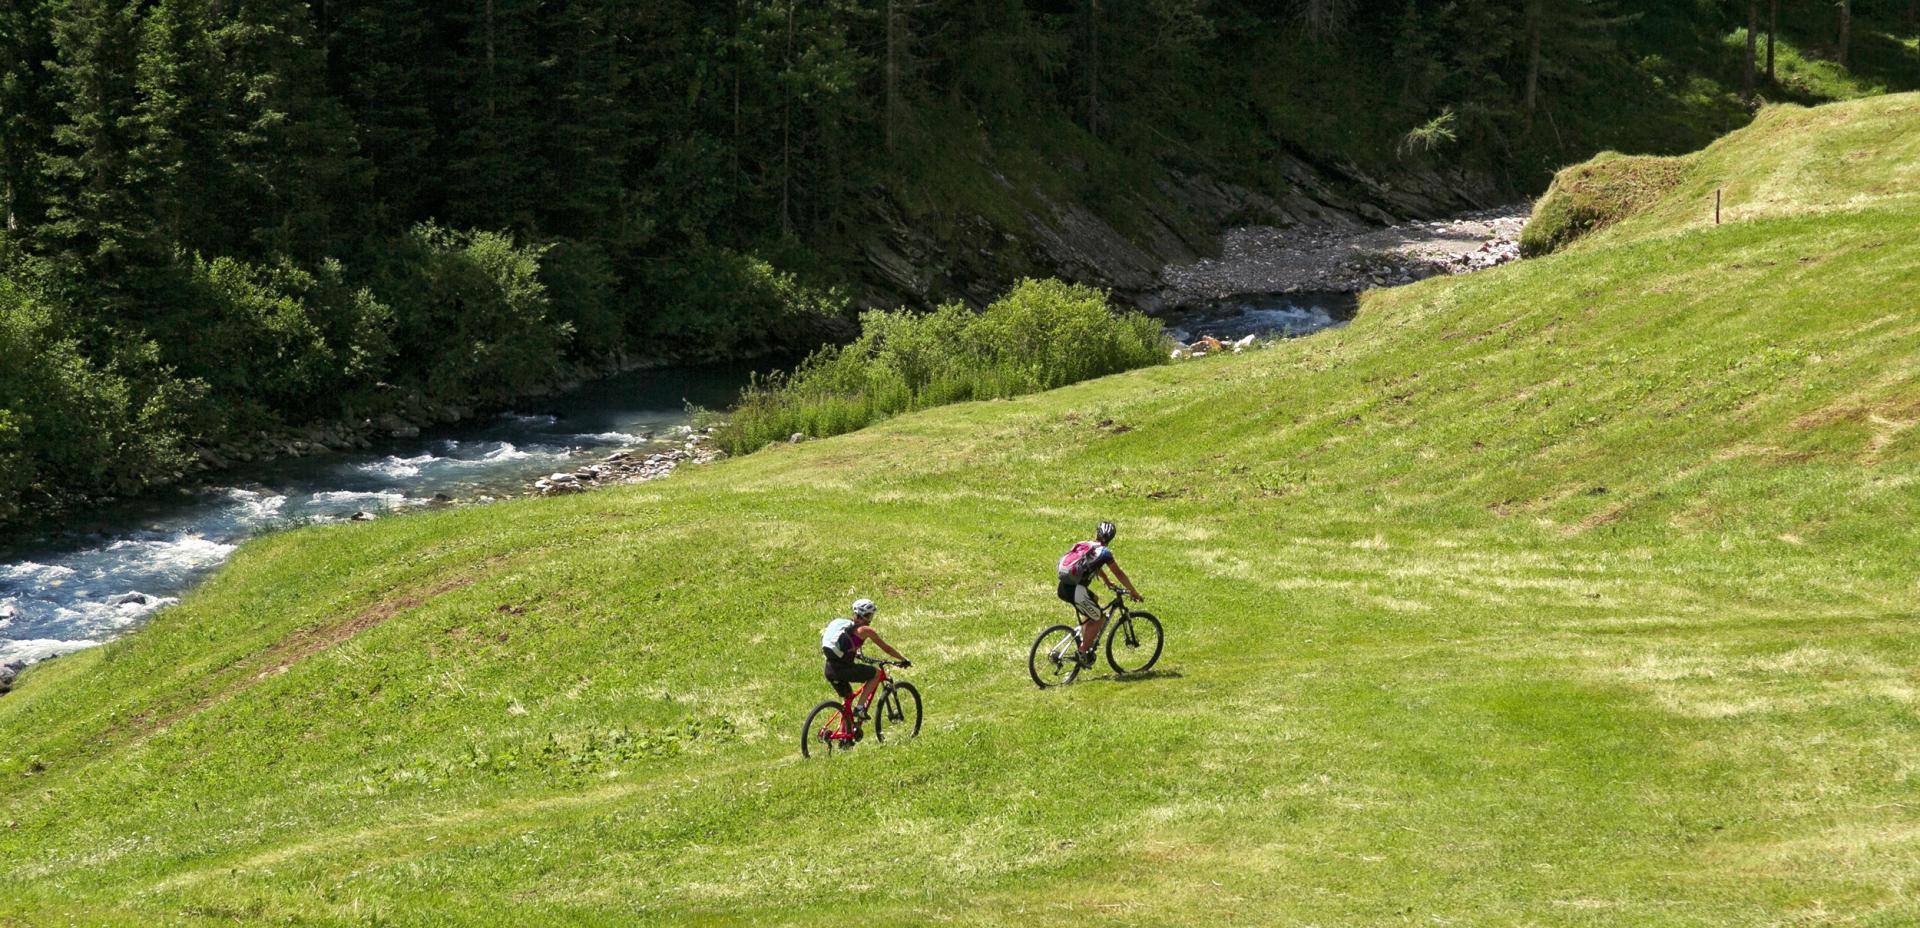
[(1578, 592)]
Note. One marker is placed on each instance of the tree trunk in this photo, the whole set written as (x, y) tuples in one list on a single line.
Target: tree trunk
[(1846, 29), (896, 26), (1753, 35), (1773, 26), (492, 86), (1093, 67), (786, 134), (1534, 16)]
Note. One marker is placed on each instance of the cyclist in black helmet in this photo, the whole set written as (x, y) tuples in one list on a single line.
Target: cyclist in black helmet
[(1083, 562)]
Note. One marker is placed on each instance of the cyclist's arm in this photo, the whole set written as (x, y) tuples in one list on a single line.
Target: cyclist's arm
[(1115, 567), (873, 636)]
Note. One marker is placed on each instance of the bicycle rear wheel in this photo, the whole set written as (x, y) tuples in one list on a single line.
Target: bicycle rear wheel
[(825, 729), (898, 714), (1133, 644), (1052, 661)]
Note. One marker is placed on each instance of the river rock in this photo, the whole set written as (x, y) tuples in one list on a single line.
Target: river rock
[(796, 438), (1243, 344), (361, 516), (135, 598)]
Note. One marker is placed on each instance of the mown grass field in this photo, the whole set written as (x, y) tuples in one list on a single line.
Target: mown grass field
[(1578, 592)]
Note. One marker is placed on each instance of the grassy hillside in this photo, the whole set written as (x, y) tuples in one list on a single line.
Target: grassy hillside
[(1577, 592), (1792, 160)]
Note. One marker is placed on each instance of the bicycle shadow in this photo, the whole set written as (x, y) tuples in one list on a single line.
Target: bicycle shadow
[(1138, 677)]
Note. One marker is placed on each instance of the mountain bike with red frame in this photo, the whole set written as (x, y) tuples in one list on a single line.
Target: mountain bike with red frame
[(1133, 645), (835, 726)]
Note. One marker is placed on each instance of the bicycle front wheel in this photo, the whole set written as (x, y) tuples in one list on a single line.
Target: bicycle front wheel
[(1054, 658), (898, 714), (826, 731), (1133, 645)]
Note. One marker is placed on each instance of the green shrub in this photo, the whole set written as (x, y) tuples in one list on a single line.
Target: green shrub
[(471, 314), (69, 426), (1595, 194), (1043, 334), (716, 302), (582, 289), (279, 338)]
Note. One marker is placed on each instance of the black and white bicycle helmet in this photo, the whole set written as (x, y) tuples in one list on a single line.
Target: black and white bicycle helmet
[(1104, 533), (864, 608)]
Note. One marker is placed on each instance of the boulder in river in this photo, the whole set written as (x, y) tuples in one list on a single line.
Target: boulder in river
[(135, 598), (361, 516)]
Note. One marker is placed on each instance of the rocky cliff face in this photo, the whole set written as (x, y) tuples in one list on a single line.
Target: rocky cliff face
[(1177, 222)]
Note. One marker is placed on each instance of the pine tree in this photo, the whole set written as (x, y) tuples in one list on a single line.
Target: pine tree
[(494, 161), (99, 228), (24, 117), (389, 54)]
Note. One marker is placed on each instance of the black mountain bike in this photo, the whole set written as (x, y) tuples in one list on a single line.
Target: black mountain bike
[(1133, 645), (895, 708)]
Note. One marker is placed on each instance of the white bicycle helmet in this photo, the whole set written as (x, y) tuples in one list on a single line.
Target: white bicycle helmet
[(864, 608)]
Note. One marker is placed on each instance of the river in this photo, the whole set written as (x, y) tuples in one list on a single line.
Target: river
[(103, 572)]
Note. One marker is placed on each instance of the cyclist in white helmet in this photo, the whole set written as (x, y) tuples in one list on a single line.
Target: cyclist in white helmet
[(840, 641)]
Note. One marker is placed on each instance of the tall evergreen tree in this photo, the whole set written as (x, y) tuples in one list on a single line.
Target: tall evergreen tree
[(24, 116), (99, 225)]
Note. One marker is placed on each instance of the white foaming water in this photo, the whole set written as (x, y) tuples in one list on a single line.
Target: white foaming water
[(255, 509), (349, 499), (17, 654), (396, 467), (97, 592), (508, 451), (612, 438), (99, 578)]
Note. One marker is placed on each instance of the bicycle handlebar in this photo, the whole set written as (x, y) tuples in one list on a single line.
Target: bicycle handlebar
[(862, 658)]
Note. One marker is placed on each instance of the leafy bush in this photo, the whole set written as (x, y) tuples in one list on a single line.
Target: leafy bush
[(1595, 194), (69, 425), (717, 302), (1043, 334), (280, 337), (472, 315), (582, 289)]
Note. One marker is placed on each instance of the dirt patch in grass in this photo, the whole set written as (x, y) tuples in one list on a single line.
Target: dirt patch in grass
[(308, 642)]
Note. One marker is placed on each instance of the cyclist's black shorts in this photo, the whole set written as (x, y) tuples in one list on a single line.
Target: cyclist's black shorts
[(1080, 598), (842, 674)]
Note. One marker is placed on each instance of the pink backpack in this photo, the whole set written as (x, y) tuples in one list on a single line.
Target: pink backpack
[(1072, 563)]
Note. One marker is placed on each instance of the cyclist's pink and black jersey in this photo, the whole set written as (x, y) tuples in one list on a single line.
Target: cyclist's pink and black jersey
[(1073, 585)]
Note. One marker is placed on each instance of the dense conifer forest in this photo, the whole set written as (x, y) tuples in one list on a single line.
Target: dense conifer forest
[(229, 215)]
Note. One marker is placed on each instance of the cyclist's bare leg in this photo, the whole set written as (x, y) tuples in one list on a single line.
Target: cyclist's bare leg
[(1091, 619), (864, 698), (1090, 633)]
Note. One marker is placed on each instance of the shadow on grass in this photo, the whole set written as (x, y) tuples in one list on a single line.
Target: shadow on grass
[(1139, 677)]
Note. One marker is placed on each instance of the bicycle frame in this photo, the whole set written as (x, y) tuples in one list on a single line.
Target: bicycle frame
[(881, 689)]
